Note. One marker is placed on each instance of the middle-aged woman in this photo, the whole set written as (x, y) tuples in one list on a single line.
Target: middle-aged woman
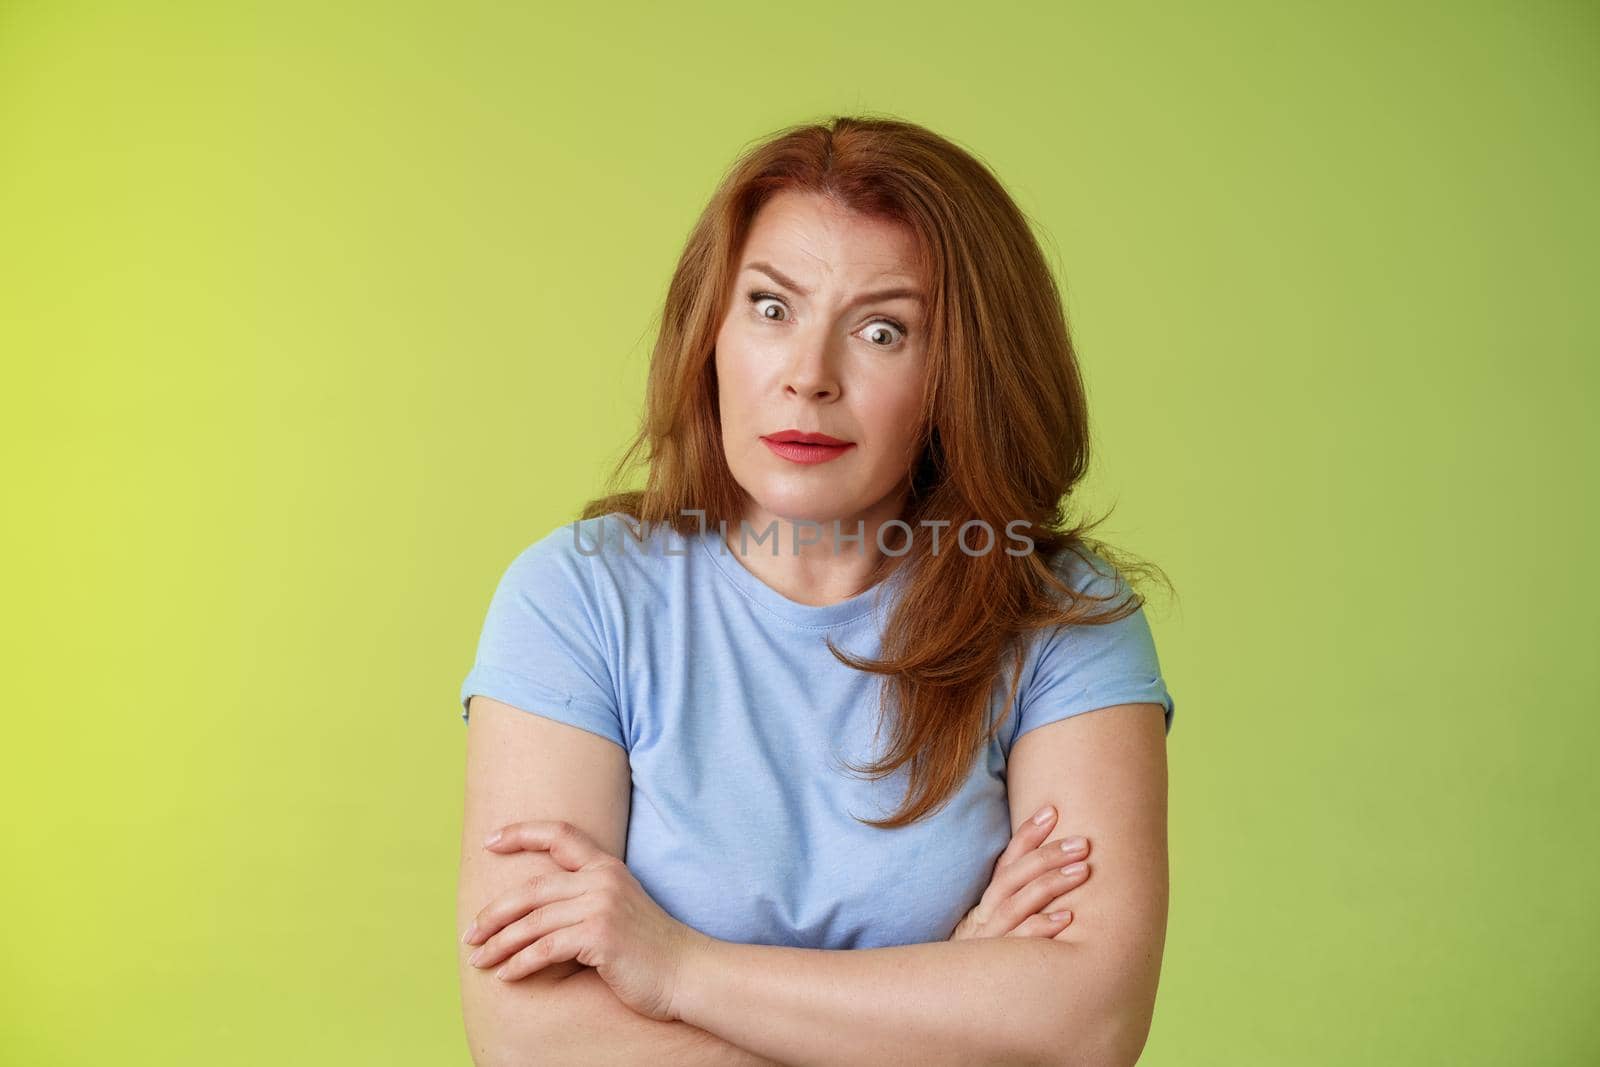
[(807, 690)]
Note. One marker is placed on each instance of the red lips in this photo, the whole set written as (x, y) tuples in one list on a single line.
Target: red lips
[(808, 449), (797, 437)]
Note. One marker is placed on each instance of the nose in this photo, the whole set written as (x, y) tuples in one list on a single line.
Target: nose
[(810, 373)]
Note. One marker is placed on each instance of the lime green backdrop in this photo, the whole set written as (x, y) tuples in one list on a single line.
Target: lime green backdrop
[(314, 315)]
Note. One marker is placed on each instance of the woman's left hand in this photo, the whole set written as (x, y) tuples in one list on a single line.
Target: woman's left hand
[(593, 910)]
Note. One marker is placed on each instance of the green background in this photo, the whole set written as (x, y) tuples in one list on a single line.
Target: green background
[(314, 315)]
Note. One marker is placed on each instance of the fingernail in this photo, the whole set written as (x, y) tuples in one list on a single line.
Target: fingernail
[(1060, 916), (1073, 844), (475, 957), (1044, 815), (1075, 870), (493, 839), (466, 938)]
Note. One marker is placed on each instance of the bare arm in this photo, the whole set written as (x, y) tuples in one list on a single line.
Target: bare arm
[(592, 1026), (525, 766), (988, 1001), (1087, 998)]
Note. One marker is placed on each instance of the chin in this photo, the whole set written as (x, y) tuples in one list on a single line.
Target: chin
[(795, 504)]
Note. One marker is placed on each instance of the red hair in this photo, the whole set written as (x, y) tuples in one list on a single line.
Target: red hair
[(1004, 428)]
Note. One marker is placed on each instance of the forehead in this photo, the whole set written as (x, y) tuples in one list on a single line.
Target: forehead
[(815, 239)]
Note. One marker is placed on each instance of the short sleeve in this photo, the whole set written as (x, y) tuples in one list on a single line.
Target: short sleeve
[(1084, 667), (541, 647)]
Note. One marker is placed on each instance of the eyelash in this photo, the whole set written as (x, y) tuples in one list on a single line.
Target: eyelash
[(757, 295)]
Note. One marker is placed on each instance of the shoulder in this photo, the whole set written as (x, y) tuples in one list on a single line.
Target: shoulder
[(575, 554), (1089, 574), (1073, 668), (1097, 588), (603, 563)]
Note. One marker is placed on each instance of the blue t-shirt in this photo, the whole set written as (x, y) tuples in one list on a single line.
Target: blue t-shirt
[(733, 713)]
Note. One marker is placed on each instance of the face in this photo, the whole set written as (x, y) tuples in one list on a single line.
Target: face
[(824, 334)]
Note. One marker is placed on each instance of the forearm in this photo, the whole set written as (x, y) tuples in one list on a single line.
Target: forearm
[(567, 1013), (596, 1027), (992, 1000)]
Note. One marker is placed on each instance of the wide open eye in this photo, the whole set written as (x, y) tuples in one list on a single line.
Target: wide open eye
[(759, 298), (875, 329), (765, 304)]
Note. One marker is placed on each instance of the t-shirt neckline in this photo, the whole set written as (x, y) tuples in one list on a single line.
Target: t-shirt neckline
[(817, 616)]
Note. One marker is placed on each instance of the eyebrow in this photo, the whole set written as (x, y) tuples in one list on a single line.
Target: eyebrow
[(866, 298)]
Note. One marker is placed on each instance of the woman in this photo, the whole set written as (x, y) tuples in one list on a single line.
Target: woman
[(797, 694)]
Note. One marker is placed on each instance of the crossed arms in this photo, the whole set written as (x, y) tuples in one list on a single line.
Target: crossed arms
[(1086, 997)]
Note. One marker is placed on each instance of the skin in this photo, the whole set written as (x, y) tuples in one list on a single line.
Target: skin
[(815, 356), (1029, 893), (639, 949), (806, 352)]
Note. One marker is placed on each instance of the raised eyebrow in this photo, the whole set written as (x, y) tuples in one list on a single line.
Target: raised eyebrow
[(899, 293)]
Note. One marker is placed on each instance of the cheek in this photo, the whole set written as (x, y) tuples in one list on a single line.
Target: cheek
[(893, 409), (891, 421), (725, 359), (737, 378)]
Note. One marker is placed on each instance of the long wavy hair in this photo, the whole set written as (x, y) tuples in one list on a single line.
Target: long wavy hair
[(1003, 431)]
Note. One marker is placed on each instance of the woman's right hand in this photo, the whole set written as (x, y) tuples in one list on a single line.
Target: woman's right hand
[(1028, 886)]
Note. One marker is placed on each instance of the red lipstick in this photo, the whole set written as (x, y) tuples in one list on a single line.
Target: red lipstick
[(801, 447)]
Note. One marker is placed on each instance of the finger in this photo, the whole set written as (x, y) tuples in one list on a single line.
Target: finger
[(1040, 861), (1044, 889), (530, 928), (1075, 847), (1043, 924), (1049, 891), (567, 844), (1063, 902), (1051, 856), (523, 898), (563, 944), (1028, 836)]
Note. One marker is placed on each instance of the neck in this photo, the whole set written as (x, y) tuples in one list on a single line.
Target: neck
[(818, 561)]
